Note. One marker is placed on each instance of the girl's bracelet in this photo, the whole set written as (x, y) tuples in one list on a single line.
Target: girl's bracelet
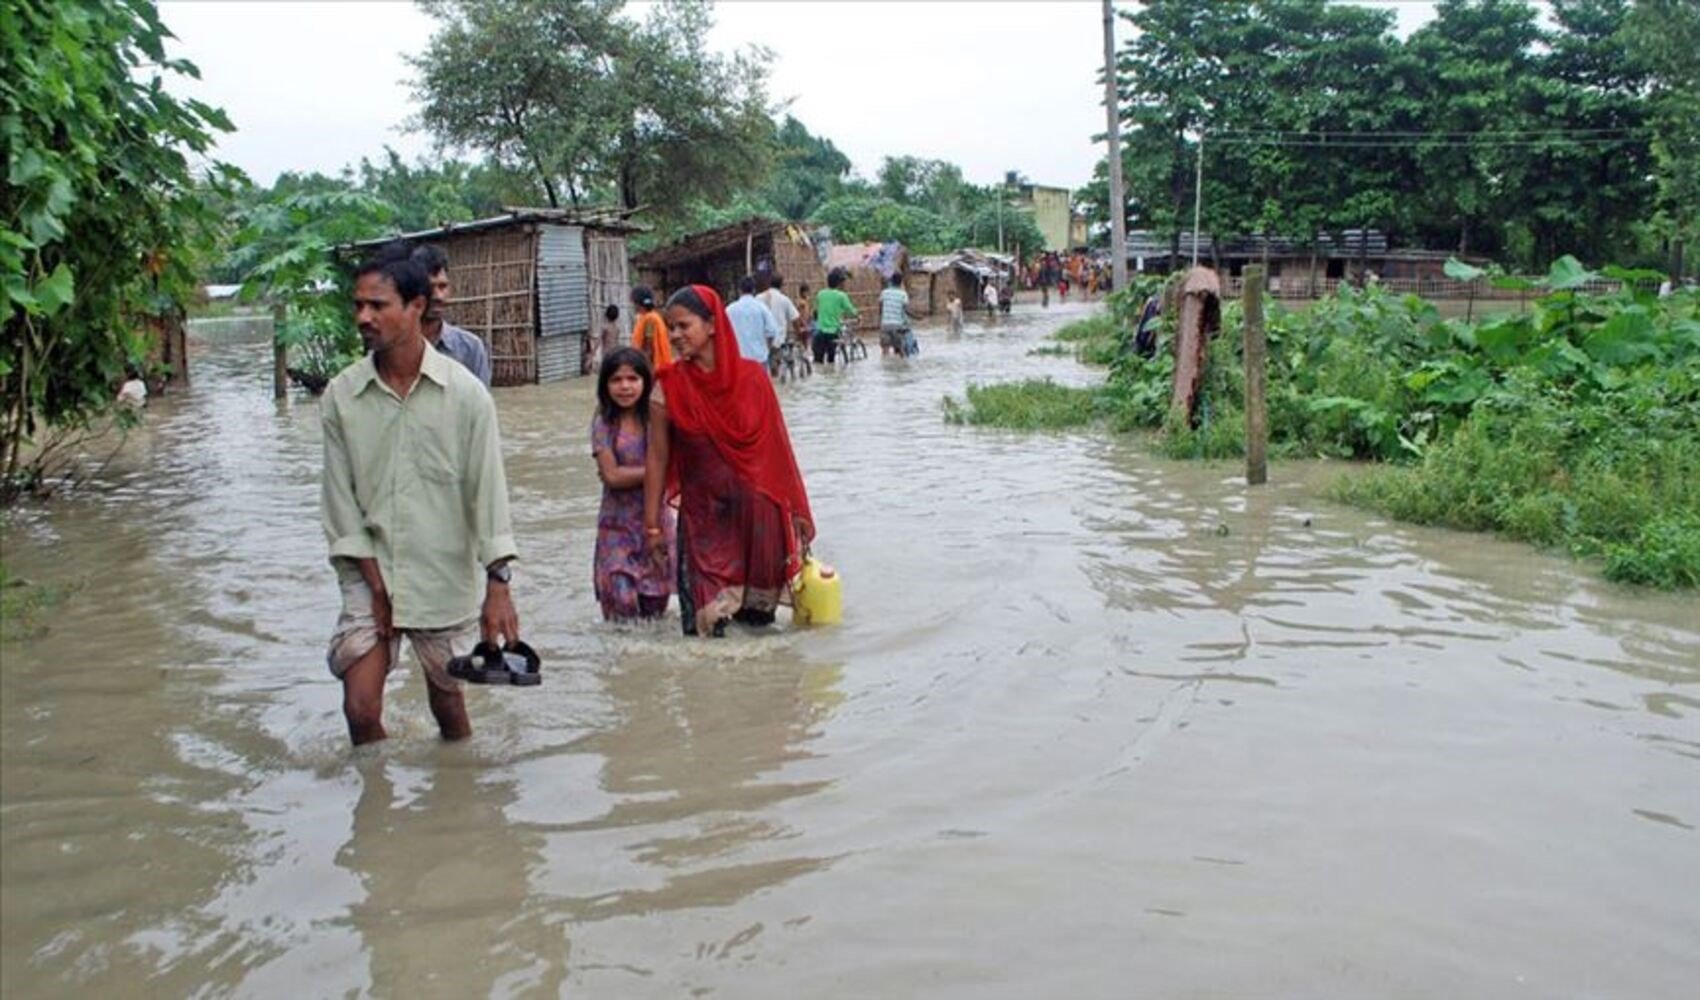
[(652, 532)]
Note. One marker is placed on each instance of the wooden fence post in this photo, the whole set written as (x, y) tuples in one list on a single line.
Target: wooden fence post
[(1256, 380), (280, 355)]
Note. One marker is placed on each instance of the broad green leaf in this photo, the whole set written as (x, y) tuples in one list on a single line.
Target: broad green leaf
[(18, 293), (26, 166), (1460, 271), (1502, 338), (1625, 339), (1568, 272), (56, 291)]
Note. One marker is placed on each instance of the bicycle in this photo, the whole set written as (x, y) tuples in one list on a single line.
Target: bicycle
[(850, 346), (791, 360)]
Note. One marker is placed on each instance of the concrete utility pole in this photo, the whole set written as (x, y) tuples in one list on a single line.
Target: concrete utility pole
[(1112, 112), (1197, 195)]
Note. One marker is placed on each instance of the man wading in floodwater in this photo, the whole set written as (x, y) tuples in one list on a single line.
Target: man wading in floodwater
[(415, 502), (462, 345)]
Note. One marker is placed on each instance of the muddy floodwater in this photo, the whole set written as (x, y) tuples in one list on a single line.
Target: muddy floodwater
[(1096, 725)]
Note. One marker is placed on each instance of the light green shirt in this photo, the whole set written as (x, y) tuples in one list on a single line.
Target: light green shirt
[(417, 484), (831, 306)]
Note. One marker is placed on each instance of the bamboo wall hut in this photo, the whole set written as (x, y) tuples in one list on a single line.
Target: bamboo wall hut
[(719, 257), (532, 284), (930, 280)]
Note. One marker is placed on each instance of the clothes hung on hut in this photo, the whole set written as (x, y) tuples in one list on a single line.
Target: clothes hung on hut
[(744, 516)]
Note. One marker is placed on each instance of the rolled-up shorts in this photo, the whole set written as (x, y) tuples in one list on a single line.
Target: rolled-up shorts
[(357, 635), (892, 337)]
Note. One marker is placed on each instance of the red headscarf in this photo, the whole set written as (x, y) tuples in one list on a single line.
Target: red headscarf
[(735, 407)]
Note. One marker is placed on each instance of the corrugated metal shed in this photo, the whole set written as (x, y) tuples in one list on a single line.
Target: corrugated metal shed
[(563, 282), (563, 301), (559, 358)]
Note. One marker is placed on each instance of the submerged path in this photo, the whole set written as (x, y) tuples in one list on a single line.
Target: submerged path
[(1097, 724)]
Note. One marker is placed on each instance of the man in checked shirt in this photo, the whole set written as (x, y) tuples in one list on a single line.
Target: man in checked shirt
[(415, 505)]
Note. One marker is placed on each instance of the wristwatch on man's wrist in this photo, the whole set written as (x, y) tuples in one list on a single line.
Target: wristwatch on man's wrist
[(502, 572)]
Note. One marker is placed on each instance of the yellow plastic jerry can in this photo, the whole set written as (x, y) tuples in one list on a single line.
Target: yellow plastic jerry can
[(820, 594)]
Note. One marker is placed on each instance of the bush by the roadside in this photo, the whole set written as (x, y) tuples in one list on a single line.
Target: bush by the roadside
[(1574, 424)]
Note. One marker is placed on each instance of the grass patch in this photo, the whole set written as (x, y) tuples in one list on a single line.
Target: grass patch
[(1629, 497), (22, 604), (1050, 351), (1036, 404), (1103, 326)]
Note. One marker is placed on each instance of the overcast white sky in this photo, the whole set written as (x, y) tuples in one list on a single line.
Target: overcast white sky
[(991, 86)]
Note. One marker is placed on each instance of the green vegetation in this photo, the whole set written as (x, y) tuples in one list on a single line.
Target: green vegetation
[(284, 250), (1574, 425), (1033, 405), (597, 105), (21, 605), (1514, 129), (101, 221)]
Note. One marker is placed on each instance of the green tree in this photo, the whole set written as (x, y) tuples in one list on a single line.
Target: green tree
[(431, 193), (1169, 75), (286, 252), (523, 82), (685, 123), (596, 105), (980, 229), (101, 218), (856, 218), (1664, 38), (807, 170), (935, 185)]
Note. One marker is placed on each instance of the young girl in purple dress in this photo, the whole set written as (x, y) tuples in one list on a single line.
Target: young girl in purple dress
[(629, 584)]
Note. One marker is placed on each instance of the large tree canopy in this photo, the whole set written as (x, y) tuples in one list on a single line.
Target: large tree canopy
[(598, 105), (1490, 128)]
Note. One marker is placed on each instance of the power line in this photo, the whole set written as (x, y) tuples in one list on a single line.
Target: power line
[(1432, 143), (1371, 133)]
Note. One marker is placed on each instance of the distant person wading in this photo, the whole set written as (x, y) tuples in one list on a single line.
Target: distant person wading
[(462, 345), (649, 330)]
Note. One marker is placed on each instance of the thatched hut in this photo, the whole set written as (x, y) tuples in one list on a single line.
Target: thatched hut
[(719, 257), (930, 280), (532, 283)]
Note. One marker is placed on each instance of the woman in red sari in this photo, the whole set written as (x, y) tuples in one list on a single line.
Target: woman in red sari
[(720, 452)]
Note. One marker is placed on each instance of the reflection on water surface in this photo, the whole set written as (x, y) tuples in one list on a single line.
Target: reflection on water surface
[(1071, 735)]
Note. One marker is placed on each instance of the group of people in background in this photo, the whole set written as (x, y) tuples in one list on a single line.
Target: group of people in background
[(1063, 273), (702, 496)]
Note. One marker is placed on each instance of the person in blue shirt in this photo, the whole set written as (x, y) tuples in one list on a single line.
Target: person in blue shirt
[(753, 322), (462, 345)]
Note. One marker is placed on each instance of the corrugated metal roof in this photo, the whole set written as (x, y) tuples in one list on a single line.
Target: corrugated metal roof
[(611, 219), (1347, 243)]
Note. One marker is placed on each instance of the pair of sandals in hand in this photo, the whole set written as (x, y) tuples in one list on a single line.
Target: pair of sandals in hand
[(516, 664)]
